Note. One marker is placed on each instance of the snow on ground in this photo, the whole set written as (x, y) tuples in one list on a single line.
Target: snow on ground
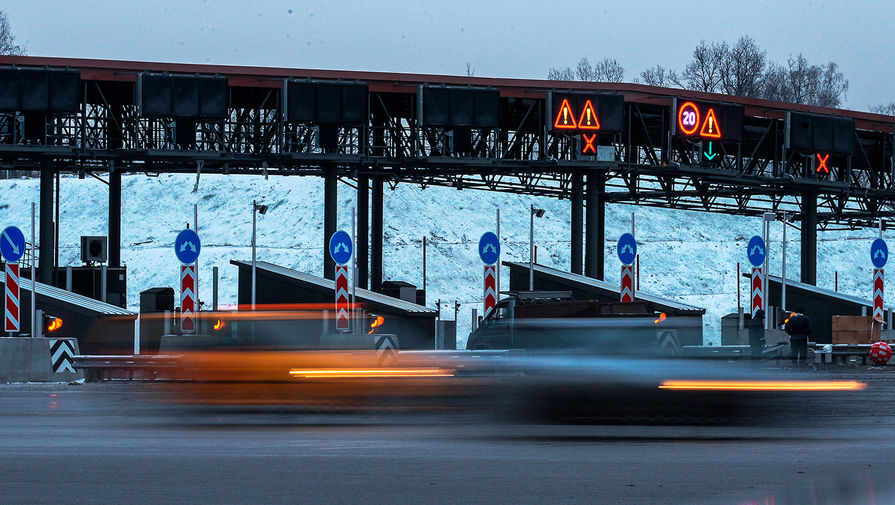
[(687, 256)]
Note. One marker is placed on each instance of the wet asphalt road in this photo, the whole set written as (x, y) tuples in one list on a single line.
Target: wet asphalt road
[(107, 443)]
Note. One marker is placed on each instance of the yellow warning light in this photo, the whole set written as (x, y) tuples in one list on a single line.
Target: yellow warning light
[(54, 324), (379, 321)]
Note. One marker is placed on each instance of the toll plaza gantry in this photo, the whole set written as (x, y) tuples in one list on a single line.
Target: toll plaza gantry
[(591, 143)]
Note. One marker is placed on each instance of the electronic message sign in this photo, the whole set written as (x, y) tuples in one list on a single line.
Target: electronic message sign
[(712, 121)]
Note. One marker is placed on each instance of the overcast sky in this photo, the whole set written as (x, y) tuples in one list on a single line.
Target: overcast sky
[(519, 38)]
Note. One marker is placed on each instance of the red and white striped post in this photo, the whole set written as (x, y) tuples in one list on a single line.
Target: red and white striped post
[(878, 293), (627, 291), (342, 301), (187, 298), (757, 290), (11, 312), (490, 287)]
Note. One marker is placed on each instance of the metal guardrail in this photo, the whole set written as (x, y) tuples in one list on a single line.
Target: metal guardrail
[(729, 352), (96, 366)]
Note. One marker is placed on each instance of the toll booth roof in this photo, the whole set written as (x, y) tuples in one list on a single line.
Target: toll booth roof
[(775, 284), (67, 297), (600, 289), (375, 301)]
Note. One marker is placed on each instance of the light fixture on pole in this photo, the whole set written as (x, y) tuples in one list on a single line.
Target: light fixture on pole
[(535, 212), (256, 209)]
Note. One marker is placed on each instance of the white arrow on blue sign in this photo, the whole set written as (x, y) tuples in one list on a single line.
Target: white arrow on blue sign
[(489, 248), (340, 247), (879, 253), (627, 249), (187, 247), (756, 251), (12, 244)]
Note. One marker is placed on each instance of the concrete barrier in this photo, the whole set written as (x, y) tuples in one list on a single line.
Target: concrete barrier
[(24, 359)]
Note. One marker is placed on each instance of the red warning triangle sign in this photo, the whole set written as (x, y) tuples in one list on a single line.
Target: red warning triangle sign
[(710, 128), (565, 118), (589, 119)]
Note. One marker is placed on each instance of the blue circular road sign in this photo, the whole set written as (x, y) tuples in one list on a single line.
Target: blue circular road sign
[(12, 244), (756, 251), (187, 247), (879, 253), (340, 247), (489, 248), (627, 249)]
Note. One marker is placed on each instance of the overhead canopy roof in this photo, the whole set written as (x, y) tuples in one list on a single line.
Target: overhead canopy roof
[(370, 298), (74, 299), (601, 289)]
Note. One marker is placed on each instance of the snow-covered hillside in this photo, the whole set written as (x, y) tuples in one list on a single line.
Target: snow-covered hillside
[(688, 256)]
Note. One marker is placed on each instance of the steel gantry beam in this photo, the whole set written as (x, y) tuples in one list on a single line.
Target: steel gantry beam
[(644, 164)]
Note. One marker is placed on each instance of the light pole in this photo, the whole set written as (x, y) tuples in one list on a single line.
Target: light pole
[(256, 209), (531, 247)]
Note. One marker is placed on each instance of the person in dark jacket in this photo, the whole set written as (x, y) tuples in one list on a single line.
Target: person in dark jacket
[(798, 327), (756, 334)]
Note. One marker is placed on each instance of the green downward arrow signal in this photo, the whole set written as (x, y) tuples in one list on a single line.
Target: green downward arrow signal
[(709, 156)]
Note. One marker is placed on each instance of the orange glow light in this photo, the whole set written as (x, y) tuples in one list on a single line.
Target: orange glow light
[(565, 118), (688, 118), (379, 321), (346, 373), (589, 119), (711, 128), (710, 385), (588, 143), (823, 163), (219, 324), (55, 324), (662, 317)]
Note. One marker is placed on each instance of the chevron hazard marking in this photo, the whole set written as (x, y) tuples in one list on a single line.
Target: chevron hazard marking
[(187, 298), (11, 311), (490, 287), (61, 354), (342, 298), (757, 290), (386, 350), (627, 290), (878, 287)]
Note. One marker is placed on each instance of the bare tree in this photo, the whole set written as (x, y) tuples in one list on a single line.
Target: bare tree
[(801, 82), (470, 70), (659, 76), (703, 73), (888, 109), (742, 68), (561, 74), (606, 70), (7, 40)]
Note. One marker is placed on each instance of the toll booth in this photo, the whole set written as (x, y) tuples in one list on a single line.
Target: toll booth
[(276, 285), (101, 328), (687, 319), (819, 304)]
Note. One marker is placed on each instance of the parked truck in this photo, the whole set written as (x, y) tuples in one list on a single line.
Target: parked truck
[(553, 320)]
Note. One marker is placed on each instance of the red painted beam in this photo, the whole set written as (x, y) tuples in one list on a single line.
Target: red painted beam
[(390, 82)]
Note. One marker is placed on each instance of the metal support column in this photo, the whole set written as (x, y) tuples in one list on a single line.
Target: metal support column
[(577, 225), (114, 218), (330, 209), (595, 226), (376, 236), (45, 239), (363, 231), (809, 238)]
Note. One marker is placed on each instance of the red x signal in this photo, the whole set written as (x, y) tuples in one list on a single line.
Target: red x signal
[(588, 143), (823, 163)]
